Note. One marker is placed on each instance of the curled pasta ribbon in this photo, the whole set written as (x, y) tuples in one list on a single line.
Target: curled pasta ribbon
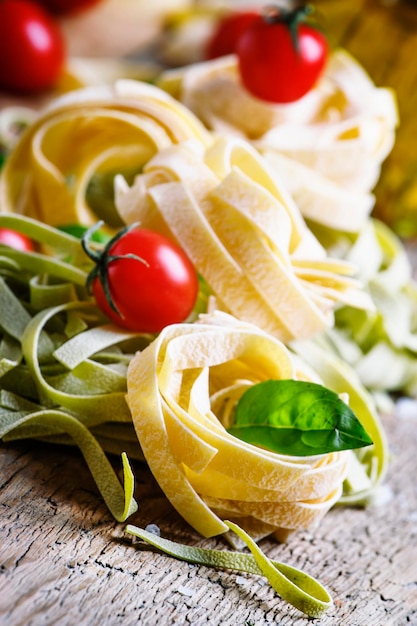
[(93, 130), (381, 345), (293, 585), (13, 119), (329, 145), (244, 234), (177, 390)]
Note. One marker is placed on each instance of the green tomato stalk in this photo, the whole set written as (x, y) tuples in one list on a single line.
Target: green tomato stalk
[(103, 258), (273, 14)]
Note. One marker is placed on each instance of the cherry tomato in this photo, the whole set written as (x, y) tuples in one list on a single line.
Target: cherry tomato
[(142, 281), (280, 56), (67, 7), (16, 240), (227, 32), (32, 49)]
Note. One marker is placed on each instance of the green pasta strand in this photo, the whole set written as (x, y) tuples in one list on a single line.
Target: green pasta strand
[(293, 585), (119, 500)]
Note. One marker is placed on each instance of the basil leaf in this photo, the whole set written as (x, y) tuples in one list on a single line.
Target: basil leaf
[(297, 418)]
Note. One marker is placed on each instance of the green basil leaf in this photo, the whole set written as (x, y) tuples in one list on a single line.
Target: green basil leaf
[(297, 418)]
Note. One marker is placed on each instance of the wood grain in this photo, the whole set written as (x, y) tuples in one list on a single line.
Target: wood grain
[(63, 560)]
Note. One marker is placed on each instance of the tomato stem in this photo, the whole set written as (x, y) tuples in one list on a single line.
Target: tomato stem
[(291, 18), (86, 239), (103, 258)]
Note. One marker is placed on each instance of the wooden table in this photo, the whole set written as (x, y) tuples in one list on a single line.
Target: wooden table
[(64, 561)]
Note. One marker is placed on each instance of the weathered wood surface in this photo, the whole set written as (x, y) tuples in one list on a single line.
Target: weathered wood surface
[(64, 560)]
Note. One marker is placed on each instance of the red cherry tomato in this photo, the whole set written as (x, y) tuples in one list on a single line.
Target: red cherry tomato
[(16, 240), (156, 288), (280, 57), (227, 32), (32, 49), (67, 7)]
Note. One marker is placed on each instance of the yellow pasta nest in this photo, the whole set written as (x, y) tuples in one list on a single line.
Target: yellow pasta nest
[(329, 145), (179, 389), (244, 234), (92, 130)]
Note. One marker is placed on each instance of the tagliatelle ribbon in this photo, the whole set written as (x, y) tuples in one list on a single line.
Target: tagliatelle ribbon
[(181, 438), (96, 378), (89, 131), (363, 478), (13, 119), (119, 499), (329, 144), (293, 585), (244, 234), (62, 368), (320, 199), (380, 345)]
